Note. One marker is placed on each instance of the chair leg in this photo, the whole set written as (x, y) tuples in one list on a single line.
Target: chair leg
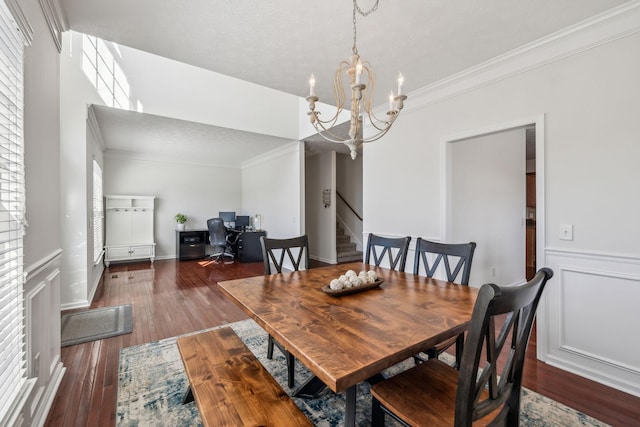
[(377, 414), (459, 348), (291, 365), (270, 347)]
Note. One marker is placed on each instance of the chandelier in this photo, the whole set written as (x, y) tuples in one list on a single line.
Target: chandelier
[(362, 81)]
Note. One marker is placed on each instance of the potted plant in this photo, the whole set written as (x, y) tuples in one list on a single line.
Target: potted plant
[(180, 220)]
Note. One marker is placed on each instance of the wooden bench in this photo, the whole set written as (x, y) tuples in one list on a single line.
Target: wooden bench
[(230, 385)]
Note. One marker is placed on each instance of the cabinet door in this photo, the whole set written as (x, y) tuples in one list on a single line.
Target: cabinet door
[(141, 225), (118, 226), (119, 252), (142, 251)]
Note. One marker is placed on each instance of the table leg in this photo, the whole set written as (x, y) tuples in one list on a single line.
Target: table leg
[(350, 407), (310, 388)]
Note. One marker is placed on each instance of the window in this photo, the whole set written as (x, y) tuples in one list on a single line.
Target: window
[(98, 213), (13, 379)]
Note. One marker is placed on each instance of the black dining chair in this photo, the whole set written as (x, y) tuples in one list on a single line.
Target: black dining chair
[(436, 394), (273, 252), (430, 255), (396, 248)]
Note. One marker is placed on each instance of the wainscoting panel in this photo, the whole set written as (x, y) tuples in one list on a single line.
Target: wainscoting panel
[(588, 319), (42, 313)]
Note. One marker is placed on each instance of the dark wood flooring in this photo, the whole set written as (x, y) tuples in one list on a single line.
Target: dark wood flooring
[(176, 297)]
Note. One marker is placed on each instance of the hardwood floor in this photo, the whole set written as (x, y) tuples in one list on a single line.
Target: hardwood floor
[(176, 297)]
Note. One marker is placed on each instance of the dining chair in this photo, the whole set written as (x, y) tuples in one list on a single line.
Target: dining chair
[(297, 250), (434, 393), (430, 255), (386, 245)]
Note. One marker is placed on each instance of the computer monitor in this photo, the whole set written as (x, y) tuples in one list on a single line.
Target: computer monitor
[(227, 217), (242, 221)]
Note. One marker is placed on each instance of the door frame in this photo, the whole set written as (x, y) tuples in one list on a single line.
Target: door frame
[(446, 213)]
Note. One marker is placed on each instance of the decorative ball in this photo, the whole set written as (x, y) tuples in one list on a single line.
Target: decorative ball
[(336, 285)]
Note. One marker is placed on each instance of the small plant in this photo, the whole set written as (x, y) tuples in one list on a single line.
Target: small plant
[(181, 219)]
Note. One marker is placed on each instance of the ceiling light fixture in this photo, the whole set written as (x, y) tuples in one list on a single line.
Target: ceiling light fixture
[(360, 76)]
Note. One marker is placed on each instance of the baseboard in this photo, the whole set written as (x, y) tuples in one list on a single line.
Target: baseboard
[(40, 417)]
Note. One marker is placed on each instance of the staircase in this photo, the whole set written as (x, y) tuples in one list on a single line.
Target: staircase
[(345, 249)]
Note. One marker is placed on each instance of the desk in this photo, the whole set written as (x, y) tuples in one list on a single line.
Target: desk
[(346, 340), (193, 244)]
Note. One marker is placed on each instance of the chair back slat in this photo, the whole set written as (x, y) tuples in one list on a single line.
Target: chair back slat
[(445, 253), (397, 260), (284, 247), (497, 388)]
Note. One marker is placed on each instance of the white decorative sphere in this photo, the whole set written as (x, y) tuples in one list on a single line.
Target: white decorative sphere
[(336, 285)]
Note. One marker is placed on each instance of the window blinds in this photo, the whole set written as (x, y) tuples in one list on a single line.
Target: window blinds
[(12, 340), (98, 213)]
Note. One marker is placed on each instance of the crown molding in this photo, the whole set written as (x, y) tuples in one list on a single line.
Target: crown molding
[(21, 21), (152, 158), (292, 147), (612, 25), (56, 20)]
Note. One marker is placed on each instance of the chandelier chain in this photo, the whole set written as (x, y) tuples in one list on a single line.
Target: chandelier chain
[(354, 49)]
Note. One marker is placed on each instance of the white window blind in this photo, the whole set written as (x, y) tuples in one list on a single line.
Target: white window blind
[(98, 213), (12, 340)]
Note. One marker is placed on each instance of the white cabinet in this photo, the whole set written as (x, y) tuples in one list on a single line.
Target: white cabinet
[(129, 228)]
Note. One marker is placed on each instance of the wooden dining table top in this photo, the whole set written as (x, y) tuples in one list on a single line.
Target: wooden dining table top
[(348, 339)]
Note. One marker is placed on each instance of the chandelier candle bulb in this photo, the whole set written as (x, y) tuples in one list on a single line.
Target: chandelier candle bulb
[(391, 99), (358, 71), (400, 83), (312, 85)]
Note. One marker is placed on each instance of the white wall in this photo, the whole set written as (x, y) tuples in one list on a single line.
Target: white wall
[(273, 186), (349, 185), (76, 94), (320, 223), (173, 89), (198, 191), (588, 96), (42, 242), (488, 204)]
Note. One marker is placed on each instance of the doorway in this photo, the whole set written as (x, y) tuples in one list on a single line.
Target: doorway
[(502, 267)]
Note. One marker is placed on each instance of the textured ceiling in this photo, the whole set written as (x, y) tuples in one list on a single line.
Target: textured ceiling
[(278, 43)]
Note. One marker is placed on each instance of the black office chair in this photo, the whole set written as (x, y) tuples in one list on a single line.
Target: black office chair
[(460, 254), (221, 240), (483, 390), (388, 245), (291, 247)]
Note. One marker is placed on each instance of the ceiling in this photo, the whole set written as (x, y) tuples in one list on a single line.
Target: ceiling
[(279, 43)]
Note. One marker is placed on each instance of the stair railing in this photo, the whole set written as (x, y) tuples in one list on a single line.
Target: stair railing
[(349, 206)]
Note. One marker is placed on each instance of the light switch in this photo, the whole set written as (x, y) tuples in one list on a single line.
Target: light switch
[(566, 232)]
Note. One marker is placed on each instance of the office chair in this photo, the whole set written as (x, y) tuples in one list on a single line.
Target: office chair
[(221, 240)]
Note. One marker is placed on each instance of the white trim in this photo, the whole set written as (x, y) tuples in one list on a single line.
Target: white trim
[(130, 155), (54, 15), (291, 147), (595, 255), (37, 267), (21, 21), (604, 28)]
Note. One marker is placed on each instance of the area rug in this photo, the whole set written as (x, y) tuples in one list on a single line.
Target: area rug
[(96, 324), (152, 383)]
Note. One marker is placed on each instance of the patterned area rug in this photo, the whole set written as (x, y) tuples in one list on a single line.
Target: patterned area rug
[(152, 383)]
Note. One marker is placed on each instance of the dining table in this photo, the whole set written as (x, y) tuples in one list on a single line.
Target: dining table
[(345, 339)]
